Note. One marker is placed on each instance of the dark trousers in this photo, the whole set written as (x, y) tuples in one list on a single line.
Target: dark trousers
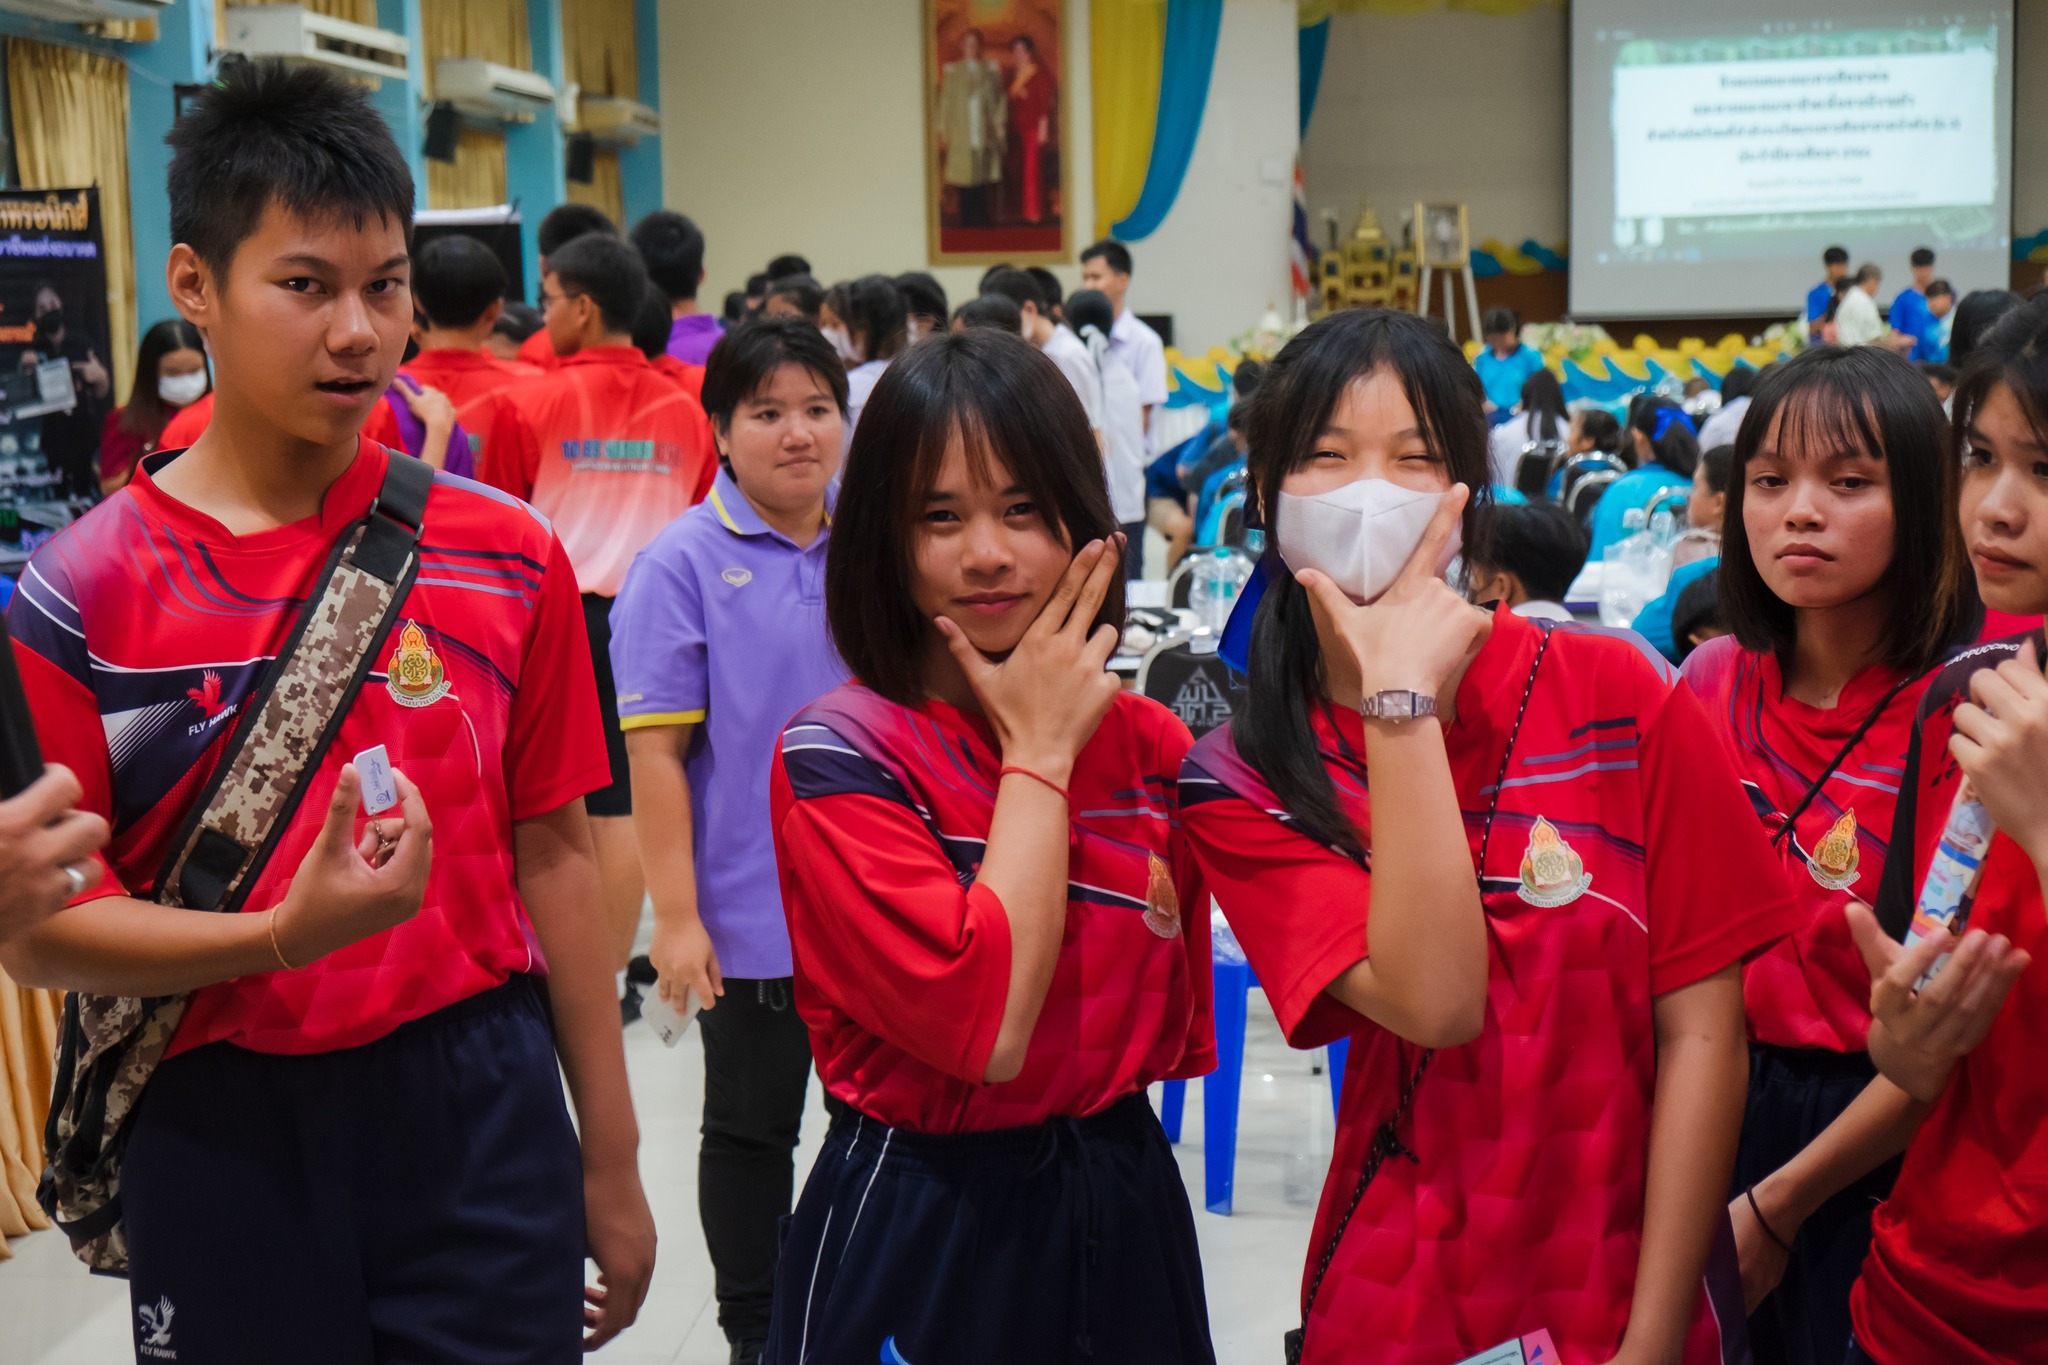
[(1066, 1242), (757, 1065), (1794, 1093), (974, 205), (1857, 1355), (417, 1200)]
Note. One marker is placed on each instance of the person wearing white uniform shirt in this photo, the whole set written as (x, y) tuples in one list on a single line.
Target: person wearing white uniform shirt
[(1720, 429), (1123, 421), (865, 320), (1856, 318), (1061, 346), (1106, 266)]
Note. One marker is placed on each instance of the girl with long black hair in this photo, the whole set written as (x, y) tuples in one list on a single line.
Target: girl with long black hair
[(1843, 582), (1493, 853)]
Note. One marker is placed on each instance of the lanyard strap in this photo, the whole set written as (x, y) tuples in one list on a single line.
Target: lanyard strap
[(1386, 1140), (1812, 793)]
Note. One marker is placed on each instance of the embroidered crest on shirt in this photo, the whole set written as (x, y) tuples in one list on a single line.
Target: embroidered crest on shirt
[(1552, 875), (415, 677), (739, 578), (1162, 902), (1833, 860)]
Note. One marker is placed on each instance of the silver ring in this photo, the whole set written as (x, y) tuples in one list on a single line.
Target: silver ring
[(77, 877)]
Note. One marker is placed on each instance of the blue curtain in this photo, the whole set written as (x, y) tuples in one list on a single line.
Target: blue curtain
[(1314, 42), (1191, 27)]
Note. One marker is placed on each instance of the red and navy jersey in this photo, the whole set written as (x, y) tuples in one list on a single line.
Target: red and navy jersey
[(903, 960), (1812, 989), (1958, 1262), (141, 631), (1623, 863)]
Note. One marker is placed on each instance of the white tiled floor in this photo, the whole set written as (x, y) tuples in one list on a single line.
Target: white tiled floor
[(53, 1313)]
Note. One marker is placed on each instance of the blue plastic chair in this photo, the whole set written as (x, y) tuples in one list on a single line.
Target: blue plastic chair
[(1220, 1088)]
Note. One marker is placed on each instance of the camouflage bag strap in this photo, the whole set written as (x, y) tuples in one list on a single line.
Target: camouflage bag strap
[(108, 1046)]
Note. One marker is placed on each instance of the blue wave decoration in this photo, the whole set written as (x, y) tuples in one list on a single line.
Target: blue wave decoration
[(2023, 248), (890, 1355)]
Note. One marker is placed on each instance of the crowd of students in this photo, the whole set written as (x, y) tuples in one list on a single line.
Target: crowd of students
[(798, 619)]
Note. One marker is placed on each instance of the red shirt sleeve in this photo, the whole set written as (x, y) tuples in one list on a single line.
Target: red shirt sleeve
[(882, 930), (1297, 908), (1717, 893), (1192, 889), (119, 448), (554, 744), (68, 729)]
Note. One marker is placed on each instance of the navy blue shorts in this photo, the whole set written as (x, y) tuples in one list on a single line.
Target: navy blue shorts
[(1069, 1241), (417, 1199), (1795, 1093)]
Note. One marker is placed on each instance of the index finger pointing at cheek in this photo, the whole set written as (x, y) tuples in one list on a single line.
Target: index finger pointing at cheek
[(1429, 550)]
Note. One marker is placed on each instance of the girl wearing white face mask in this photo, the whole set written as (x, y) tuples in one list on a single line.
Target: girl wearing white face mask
[(1524, 929), (170, 374), (867, 323)]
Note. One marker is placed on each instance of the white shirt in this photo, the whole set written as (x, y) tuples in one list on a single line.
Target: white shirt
[(1537, 609), (1123, 417), (860, 382), (1143, 354), (1065, 350), (1856, 320), (1505, 442), (1721, 427)]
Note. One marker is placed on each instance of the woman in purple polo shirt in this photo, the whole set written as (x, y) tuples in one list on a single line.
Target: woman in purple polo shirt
[(718, 638)]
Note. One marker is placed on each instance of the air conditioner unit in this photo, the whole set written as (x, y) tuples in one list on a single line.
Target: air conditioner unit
[(296, 34), (87, 11), (487, 90), (615, 122)]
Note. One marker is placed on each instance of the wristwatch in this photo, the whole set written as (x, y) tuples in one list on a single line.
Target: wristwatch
[(1397, 705)]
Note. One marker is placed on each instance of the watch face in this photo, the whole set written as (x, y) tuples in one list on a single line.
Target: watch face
[(1392, 706)]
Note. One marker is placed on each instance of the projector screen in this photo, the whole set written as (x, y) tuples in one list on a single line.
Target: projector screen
[(1718, 149)]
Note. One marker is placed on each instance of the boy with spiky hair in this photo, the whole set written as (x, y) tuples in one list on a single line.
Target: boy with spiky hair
[(356, 1146)]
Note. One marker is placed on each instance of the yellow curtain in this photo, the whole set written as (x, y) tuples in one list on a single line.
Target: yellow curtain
[(476, 178), (599, 50), (70, 114), (28, 1043), (355, 11), (493, 30), (1127, 46), (605, 190)]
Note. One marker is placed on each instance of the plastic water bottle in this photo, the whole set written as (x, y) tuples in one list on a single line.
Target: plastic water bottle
[(1625, 571), (1218, 576), (1663, 536), (1951, 886)]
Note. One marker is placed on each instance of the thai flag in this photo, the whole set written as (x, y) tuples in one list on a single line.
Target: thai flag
[(1301, 254)]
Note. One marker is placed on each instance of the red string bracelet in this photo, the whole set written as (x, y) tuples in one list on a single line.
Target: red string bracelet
[(1035, 777)]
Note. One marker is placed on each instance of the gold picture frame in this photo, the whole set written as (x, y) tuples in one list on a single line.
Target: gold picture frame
[(998, 191), (1443, 240)]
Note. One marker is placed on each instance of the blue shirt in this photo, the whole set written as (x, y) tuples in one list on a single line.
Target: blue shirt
[(1503, 376), (1817, 300), (1909, 315), (721, 624), (1633, 489), (1653, 622)]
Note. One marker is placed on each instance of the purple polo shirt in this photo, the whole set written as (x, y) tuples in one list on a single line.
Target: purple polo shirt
[(692, 336), (721, 624)]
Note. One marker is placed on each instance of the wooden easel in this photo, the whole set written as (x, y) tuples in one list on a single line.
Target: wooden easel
[(1437, 254)]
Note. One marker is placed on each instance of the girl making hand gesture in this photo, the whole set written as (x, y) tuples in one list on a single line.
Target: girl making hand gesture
[(998, 935), (1496, 854)]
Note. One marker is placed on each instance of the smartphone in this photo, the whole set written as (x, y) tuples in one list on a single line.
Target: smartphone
[(21, 758), (668, 1022)]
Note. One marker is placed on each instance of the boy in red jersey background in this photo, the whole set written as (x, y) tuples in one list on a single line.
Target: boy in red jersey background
[(357, 1146), (624, 450), (459, 289)]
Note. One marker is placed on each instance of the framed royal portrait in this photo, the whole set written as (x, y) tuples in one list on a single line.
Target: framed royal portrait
[(1442, 238), (996, 131)]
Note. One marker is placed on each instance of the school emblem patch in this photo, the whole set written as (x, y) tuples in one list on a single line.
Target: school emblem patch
[(415, 677), (1833, 860), (1162, 902), (1552, 875)]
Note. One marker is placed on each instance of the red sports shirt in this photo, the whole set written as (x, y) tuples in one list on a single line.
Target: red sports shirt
[(691, 377), (141, 630), (1812, 989), (1958, 1263), (1523, 1209), (903, 961), (539, 352), (480, 386), (624, 450)]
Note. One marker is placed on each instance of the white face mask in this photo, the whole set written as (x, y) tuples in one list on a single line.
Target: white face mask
[(842, 343), (1361, 535), (181, 390)]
